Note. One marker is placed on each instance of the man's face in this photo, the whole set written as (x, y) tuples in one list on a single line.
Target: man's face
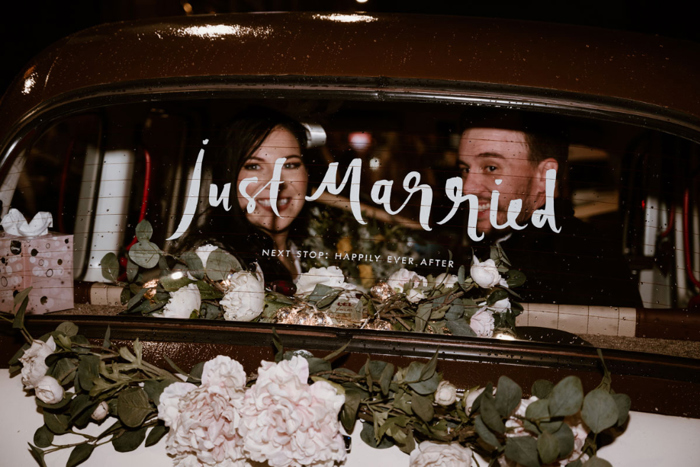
[(496, 159)]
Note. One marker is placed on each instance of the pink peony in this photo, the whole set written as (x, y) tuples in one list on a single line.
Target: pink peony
[(204, 420), (288, 422)]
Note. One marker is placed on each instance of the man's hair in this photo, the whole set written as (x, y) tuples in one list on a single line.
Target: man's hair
[(545, 134)]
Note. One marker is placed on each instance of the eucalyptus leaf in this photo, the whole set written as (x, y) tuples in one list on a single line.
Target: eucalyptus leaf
[(129, 440), (422, 316), (353, 398), (542, 388), (385, 379), (155, 435), (547, 447), (154, 389), (88, 370), (566, 397), (460, 275), (209, 311), (485, 434), (144, 231), (565, 438), (21, 299), (106, 343), (423, 407), (57, 423), (414, 372), (599, 410), (132, 270), (133, 406), (220, 263), (496, 295), (194, 264), (460, 328), (320, 291), (37, 454), (43, 437), (523, 450), (80, 454), (508, 396), (456, 311), (367, 435), (426, 387), (208, 292), (515, 278), (174, 281), (145, 254), (429, 368), (596, 461), (67, 328), (328, 299), (110, 267), (195, 374), (490, 415), (623, 403)]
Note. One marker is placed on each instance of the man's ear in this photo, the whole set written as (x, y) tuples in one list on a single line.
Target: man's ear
[(542, 168)]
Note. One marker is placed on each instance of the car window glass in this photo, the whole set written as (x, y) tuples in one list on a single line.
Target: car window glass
[(616, 231)]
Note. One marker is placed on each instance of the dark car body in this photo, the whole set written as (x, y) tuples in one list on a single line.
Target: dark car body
[(624, 78)]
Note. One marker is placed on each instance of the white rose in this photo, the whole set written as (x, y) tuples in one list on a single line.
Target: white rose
[(446, 393), (471, 398), (245, 297), (485, 273), (415, 296), (33, 362), (183, 302), (49, 390), (446, 280), (100, 412), (501, 306), (403, 276), (482, 322), (331, 276), (430, 454), (204, 251)]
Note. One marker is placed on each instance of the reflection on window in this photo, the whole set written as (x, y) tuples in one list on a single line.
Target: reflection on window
[(625, 197)]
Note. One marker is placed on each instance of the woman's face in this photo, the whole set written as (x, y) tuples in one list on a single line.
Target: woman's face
[(279, 143)]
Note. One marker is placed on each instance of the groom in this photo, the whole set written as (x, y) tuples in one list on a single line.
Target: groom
[(516, 154)]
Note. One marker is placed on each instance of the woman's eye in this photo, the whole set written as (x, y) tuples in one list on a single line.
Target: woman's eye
[(464, 169), (491, 168), (251, 167), (292, 165)]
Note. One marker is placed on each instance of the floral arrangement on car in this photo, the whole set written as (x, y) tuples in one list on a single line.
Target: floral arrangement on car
[(210, 283), (336, 233), (291, 413)]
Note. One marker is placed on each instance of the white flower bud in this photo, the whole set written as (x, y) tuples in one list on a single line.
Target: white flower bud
[(446, 393), (100, 412)]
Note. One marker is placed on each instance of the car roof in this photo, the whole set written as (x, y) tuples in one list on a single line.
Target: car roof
[(549, 58)]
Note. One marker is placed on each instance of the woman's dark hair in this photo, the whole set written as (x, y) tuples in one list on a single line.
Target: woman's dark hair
[(231, 230)]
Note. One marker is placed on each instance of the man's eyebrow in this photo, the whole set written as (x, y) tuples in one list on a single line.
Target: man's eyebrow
[(484, 155), (491, 154)]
